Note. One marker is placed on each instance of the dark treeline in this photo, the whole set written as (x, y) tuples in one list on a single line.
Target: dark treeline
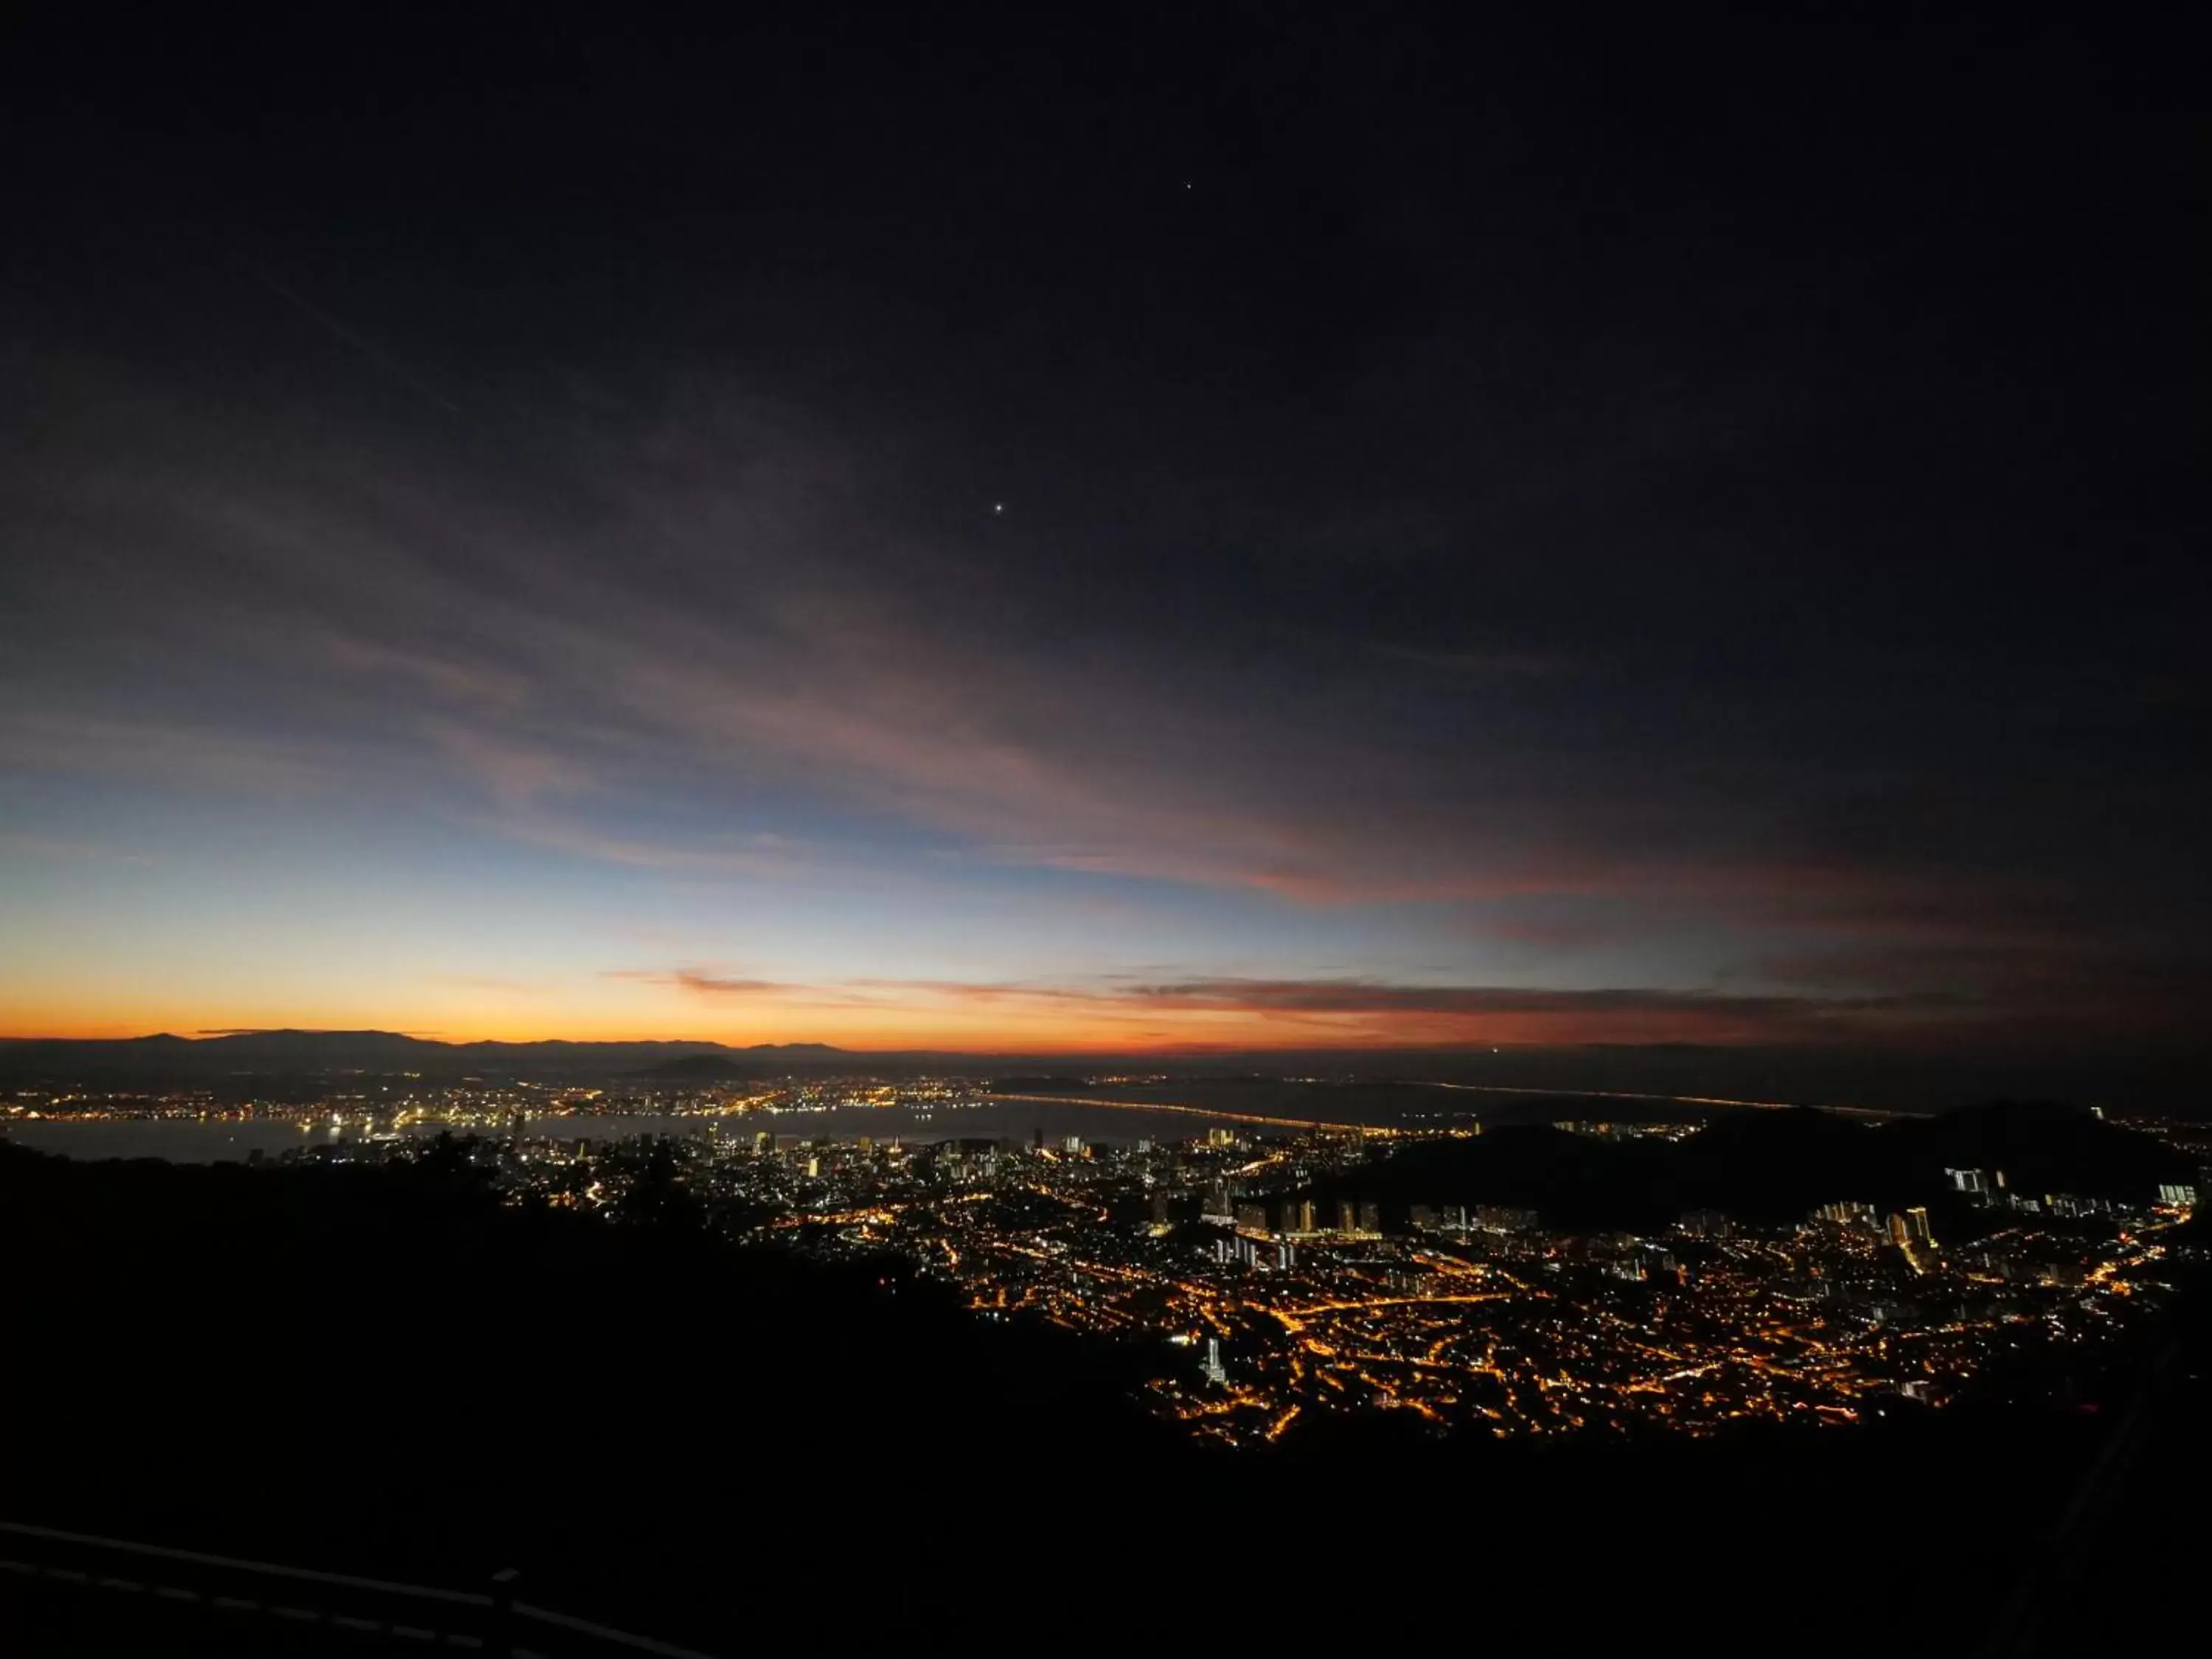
[(392, 1372)]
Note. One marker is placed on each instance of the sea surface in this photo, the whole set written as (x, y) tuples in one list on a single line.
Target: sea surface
[(1104, 1113), (189, 1140)]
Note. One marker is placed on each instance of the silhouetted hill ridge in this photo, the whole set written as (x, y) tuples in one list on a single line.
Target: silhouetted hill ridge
[(165, 1057), (1771, 1165)]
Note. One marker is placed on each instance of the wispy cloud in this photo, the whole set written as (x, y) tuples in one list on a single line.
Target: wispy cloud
[(701, 982), (1365, 1009), (762, 858), (198, 756), (451, 679)]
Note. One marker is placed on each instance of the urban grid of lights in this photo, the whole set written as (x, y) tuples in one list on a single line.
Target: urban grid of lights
[(1267, 1307)]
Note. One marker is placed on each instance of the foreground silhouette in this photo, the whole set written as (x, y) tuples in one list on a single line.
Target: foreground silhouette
[(390, 1373)]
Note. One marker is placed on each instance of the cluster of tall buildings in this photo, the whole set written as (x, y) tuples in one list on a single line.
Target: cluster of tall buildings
[(1294, 1217), (1910, 1227), (1989, 1189), (1247, 1251), (1905, 1228), (1468, 1218)]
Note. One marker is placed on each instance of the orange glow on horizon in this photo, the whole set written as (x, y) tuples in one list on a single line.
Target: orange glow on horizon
[(996, 1025)]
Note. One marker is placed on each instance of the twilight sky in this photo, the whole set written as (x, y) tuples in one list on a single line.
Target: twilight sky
[(1129, 533)]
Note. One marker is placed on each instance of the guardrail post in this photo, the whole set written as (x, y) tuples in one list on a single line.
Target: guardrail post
[(500, 1639)]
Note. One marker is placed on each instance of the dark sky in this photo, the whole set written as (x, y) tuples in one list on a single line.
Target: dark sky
[(1235, 525)]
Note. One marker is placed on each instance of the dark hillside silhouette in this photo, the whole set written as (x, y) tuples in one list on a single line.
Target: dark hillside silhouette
[(1773, 1166), (389, 1372)]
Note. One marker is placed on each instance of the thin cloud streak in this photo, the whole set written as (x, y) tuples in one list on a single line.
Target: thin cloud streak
[(702, 983), (1361, 1009)]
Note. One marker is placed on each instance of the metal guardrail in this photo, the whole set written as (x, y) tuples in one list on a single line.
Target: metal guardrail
[(415, 1616)]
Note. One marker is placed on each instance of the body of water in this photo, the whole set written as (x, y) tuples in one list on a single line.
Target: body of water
[(190, 1140), (177, 1141)]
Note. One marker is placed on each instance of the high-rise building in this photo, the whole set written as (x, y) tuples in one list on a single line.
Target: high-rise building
[(1251, 1217), (1347, 1216), (1216, 1372), (1910, 1227), (1371, 1217), (1306, 1215)]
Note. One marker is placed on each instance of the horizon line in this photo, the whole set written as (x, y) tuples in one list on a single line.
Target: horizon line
[(212, 1035)]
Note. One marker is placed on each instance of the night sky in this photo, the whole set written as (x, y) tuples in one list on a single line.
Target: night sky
[(1116, 530)]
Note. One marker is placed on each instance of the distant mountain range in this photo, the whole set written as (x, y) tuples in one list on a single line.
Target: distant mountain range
[(168, 1058)]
